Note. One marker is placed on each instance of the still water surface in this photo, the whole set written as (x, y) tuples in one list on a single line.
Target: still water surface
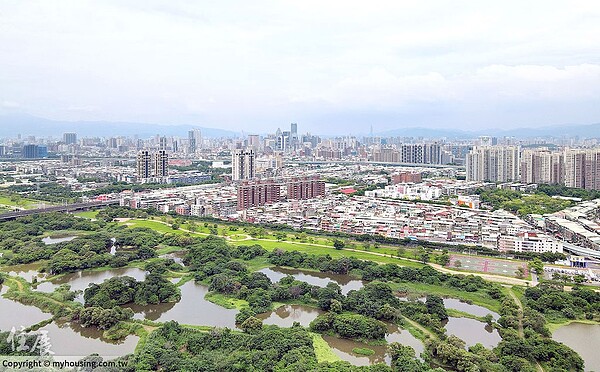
[(314, 277), (80, 280), (584, 339), (191, 309)]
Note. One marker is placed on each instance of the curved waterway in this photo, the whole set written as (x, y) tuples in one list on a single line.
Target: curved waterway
[(314, 278), (25, 271), (343, 347), (66, 339), (286, 315), (472, 332), (584, 339), (80, 280), (191, 309), (15, 314), (453, 303), (70, 339)]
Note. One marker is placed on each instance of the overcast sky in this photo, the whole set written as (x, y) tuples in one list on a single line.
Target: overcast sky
[(331, 66)]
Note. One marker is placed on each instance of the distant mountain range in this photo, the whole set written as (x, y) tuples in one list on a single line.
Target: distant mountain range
[(11, 125), (567, 130)]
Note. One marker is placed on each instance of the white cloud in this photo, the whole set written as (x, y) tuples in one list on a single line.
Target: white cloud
[(232, 62), (9, 104)]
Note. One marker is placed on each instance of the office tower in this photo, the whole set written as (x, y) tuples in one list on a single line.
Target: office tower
[(294, 140), (194, 141), (30, 152), (42, 151), (70, 138), (305, 188), (243, 164), (254, 141), (144, 164), (161, 164), (162, 143), (113, 143), (257, 193), (493, 163)]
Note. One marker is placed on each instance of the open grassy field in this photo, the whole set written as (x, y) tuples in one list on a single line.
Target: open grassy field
[(87, 214), (25, 203), (271, 244), (334, 253)]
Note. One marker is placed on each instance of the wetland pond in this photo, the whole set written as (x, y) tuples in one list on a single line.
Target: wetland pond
[(584, 339), (314, 278), (194, 309), (66, 339)]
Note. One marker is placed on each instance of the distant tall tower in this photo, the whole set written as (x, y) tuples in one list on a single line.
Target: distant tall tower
[(162, 143), (143, 164), (254, 141), (70, 138), (242, 163), (194, 140), (294, 140), (161, 164)]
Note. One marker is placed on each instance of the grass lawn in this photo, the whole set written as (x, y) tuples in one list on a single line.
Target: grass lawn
[(238, 237), (87, 214), (156, 226), (554, 326), (334, 253), (285, 245), (164, 249), (425, 289), (323, 350), (22, 203), (256, 264), (225, 301)]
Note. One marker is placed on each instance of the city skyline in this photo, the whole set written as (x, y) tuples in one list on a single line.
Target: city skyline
[(330, 67)]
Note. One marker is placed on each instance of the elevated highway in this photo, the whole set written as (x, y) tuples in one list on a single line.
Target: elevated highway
[(57, 208)]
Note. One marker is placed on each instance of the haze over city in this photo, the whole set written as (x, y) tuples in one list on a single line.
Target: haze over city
[(335, 67)]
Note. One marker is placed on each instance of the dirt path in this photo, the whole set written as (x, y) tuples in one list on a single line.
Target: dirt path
[(19, 284), (520, 305), (490, 277), (421, 328)]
